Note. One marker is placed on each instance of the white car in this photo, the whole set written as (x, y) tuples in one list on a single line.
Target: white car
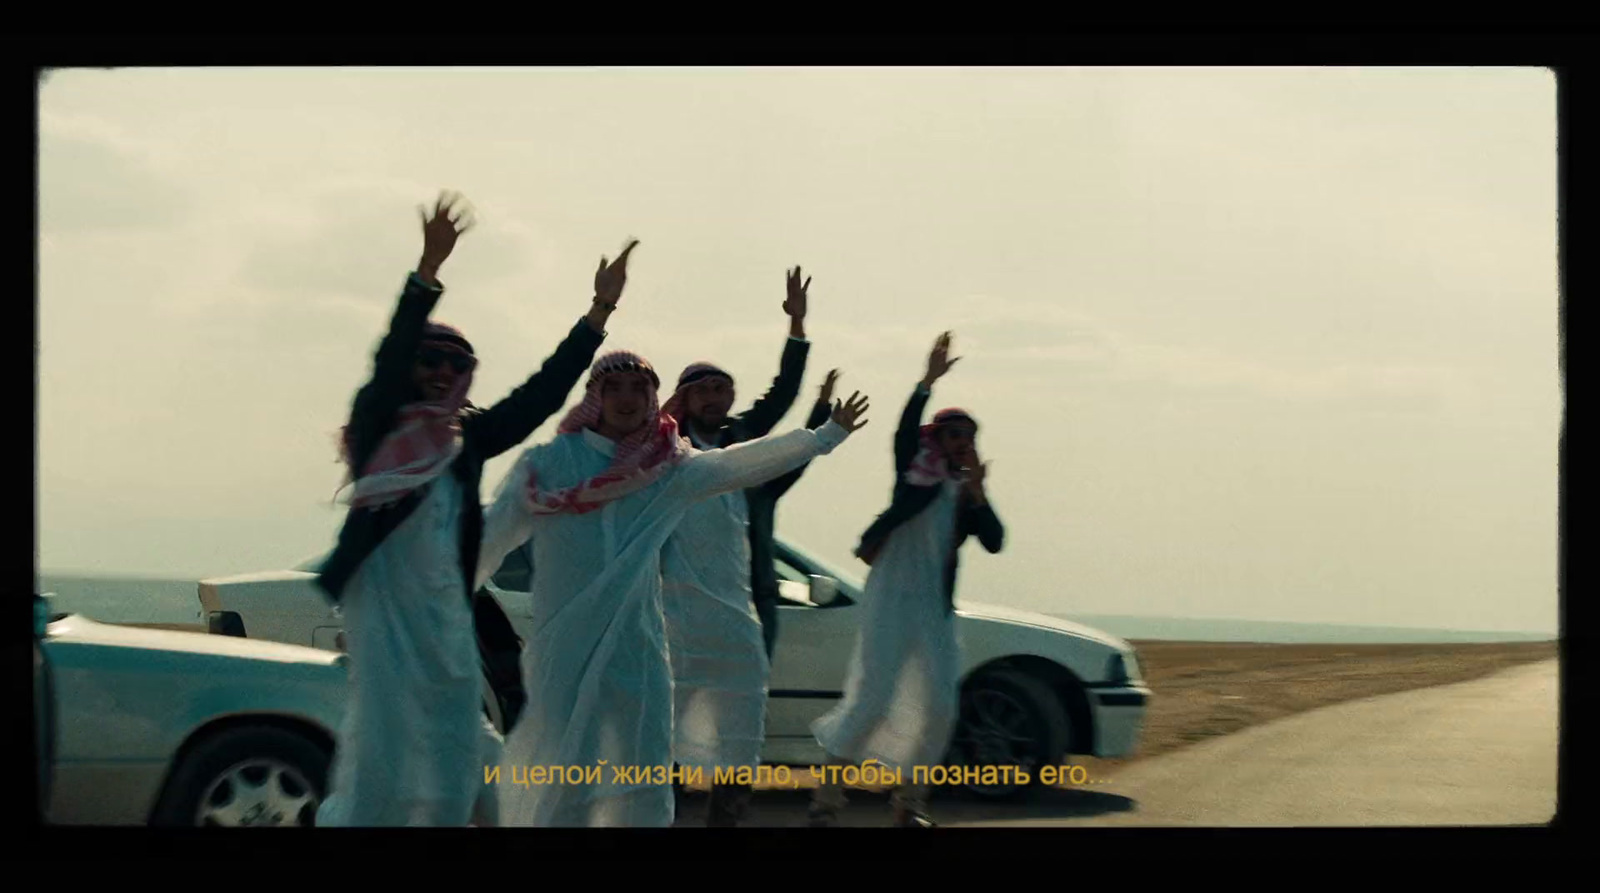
[(1036, 689), (150, 726)]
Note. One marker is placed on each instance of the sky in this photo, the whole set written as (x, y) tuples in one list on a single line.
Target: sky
[(1265, 343)]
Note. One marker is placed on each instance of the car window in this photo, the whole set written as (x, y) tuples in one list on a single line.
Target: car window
[(515, 573), (787, 571)]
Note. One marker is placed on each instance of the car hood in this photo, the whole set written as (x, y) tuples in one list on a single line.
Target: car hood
[(982, 611), (76, 628), (262, 577)]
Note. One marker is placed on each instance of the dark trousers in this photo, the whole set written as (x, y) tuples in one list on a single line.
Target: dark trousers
[(767, 610)]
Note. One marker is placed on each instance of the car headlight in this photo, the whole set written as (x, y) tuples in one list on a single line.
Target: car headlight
[(1123, 667)]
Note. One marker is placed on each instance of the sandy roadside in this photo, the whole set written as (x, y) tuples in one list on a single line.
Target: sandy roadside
[(1203, 690)]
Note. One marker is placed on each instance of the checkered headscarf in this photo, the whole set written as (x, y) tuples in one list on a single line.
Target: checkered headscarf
[(931, 465), (641, 457), (425, 438)]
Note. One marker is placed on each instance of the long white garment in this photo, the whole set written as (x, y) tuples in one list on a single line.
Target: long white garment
[(595, 667), (902, 693), (411, 751), (719, 659)]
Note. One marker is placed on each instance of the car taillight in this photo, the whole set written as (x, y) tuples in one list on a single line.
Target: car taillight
[(226, 623)]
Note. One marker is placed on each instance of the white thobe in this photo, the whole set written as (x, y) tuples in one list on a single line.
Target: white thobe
[(596, 668), (902, 693), (719, 659), (411, 748)]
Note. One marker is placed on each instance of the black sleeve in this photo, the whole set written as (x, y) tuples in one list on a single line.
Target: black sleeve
[(509, 422), (373, 411), (982, 522), (778, 486), (766, 412), (909, 434)]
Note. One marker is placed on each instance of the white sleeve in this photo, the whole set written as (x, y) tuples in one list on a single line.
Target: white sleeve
[(507, 523), (754, 462)]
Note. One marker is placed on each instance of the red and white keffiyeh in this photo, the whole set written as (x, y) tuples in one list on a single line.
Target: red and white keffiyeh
[(640, 458), (931, 465), (425, 439)]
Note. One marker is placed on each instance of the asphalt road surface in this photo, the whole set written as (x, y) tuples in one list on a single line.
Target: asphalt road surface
[(1472, 753)]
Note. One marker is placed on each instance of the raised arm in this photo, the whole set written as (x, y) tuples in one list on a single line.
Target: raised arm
[(510, 421), (507, 524), (766, 412), (909, 435), (820, 410), (390, 387), (750, 463)]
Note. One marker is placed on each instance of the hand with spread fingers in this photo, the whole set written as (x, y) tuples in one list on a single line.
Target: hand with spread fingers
[(452, 216), (849, 414)]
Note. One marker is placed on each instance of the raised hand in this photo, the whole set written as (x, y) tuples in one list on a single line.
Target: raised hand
[(849, 414), (610, 278), (452, 216), (827, 387), (939, 360), (795, 303)]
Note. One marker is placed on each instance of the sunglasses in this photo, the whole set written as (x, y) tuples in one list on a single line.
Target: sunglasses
[(432, 357)]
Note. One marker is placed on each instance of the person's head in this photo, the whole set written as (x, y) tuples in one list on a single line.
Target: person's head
[(707, 396), (956, 433), (626, 386), (443, 364)]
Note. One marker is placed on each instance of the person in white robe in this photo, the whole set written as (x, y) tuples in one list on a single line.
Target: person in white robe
[(413, 741), (902, 691), (714, 634), (594, 507)]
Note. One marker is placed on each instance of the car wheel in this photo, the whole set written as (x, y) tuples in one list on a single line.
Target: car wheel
[(1008, 719), (253, 776)]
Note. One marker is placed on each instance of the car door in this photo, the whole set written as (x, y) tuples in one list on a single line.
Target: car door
[(811, 657)]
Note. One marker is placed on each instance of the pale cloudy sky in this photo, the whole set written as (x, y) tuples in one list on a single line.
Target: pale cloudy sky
[(1273, 344)]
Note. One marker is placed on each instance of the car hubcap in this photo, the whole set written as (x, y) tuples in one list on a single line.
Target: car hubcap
[(258, 793), (998, 730)]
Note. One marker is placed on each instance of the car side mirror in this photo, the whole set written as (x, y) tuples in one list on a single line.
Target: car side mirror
[(824, 590)]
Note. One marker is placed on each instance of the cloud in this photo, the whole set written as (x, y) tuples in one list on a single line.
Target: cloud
[(356, 238), (1010, 338), (94, 178)]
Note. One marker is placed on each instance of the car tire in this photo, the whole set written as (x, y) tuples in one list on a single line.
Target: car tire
[(1008, 718), (255, 775)]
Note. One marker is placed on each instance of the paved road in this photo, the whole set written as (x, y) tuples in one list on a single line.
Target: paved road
[(1472, 753)]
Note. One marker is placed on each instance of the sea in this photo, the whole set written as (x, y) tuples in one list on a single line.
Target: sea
[(144, 600)]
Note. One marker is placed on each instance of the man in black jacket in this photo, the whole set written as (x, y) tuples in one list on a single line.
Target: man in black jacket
[(719, 665), (763, 501), (409, 752)]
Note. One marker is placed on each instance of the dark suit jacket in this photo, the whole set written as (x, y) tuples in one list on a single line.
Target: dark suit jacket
[(763, 503), (486, 433), (908, 501)]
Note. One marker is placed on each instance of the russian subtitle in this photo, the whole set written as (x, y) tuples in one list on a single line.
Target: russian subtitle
[(870, 774)]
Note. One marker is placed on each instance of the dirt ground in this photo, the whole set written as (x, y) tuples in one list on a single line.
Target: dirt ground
[(1206, 689)]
